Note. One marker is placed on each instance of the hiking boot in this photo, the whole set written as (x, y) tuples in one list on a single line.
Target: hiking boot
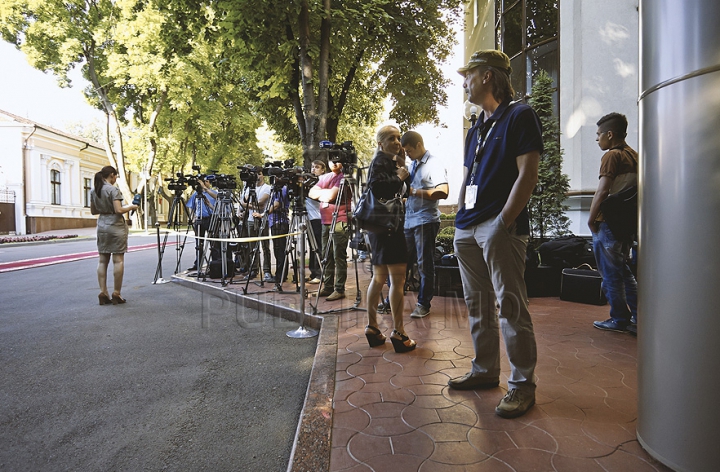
[(420, 312), (472, 381), (611, 325), (335, 296), (515, 403)]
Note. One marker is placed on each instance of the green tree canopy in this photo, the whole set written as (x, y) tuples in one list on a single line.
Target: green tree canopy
[(312, 64)]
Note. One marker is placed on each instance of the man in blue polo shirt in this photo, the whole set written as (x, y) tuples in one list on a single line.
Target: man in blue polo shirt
[(428, 184), (502, 152)]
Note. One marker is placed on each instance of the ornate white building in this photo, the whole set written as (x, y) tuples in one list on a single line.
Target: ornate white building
[(46, 177)]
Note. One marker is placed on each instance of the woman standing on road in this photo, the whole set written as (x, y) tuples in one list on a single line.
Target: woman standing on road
[(112, 232)]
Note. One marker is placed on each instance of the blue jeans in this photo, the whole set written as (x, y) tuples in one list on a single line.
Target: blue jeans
[(618, 281), (420, 242)]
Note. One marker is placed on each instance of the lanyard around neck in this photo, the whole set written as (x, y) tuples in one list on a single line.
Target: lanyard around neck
[(482, 141)]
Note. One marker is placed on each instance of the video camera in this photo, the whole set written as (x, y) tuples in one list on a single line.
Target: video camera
[(221, 181), (344, 153), (177, 184), (250, 173), (285, 173), (181, 181)]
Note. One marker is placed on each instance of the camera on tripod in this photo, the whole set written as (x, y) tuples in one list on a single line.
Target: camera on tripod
[(178, 183), (221, 181), (344, 153), (249, 173), (193, 180), (285, 174)]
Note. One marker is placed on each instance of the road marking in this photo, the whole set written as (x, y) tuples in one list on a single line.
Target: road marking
[(50, 260)]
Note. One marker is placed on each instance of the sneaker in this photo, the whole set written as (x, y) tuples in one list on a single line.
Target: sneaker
[(313, 281), (268, 277), (251, 275), (611, 325), (325, 292), (515, 403), (420, 312), (335, 296), (632, 329), (472, 381)]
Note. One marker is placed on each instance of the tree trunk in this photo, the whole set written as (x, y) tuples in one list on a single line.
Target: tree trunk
[(324, 71), (306, 69), (117, 159)]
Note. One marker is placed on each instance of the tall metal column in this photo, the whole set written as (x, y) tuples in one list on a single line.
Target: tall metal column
[(679, 255)]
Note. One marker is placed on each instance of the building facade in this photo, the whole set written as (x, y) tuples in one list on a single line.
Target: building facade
[(46, 176), (590, 49)]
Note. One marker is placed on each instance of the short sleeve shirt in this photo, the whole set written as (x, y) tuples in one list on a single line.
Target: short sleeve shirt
[(516, 131), (199, 208), (260, 193), (430, 172), (280, 214), (620, 164), (327, 181), (108, 194)]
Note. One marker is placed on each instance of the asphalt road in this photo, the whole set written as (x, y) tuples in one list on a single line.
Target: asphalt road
[(172, 380)]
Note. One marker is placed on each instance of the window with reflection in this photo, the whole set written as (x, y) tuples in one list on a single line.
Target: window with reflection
[(87, 188), (527, 31), (55, 186)]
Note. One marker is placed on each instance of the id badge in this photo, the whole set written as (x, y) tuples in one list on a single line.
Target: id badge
[(470, 196)]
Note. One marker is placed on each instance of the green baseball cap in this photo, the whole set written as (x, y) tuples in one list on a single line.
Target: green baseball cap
[(487, 57)]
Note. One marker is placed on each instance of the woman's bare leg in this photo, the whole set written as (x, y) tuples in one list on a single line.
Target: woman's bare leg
[(102, 267), (380, 274), (397, 296), (118, 271)]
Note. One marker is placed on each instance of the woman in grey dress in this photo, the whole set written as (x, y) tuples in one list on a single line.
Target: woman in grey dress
[(112, 232)]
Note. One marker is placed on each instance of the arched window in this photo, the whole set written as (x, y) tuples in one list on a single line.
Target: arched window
[(55, 186), (527, 31)]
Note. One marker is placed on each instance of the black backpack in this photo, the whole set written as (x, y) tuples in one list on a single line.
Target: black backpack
[(620, 211), (566, 251)]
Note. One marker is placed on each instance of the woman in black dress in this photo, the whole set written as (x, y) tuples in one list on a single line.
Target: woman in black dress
[(389, 255), (112, 232)]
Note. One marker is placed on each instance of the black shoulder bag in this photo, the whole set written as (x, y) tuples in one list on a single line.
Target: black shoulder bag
[(377, 215)]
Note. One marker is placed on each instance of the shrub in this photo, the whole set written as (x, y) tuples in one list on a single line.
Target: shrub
[(546, 206), (445, 239), (25, 239)]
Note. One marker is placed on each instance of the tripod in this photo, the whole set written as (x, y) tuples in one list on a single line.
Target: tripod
[(346, 197), (200, 225), (298, 224), (302, 224), (222, 226), (253, 202), (174, 221)]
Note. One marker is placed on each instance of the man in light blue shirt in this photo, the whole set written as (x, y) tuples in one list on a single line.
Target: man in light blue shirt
[(428, 184), (201, 209)]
